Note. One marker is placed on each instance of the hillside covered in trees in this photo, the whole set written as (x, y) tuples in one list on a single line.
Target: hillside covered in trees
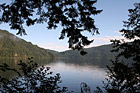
[(12, 46), (100, 55)]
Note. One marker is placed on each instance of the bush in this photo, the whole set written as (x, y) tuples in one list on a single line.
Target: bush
[(31, 78)]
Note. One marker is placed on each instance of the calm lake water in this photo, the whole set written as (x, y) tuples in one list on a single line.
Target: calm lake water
[(72, 73)]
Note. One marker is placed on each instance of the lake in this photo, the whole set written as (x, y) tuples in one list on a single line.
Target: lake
[(72, 72)]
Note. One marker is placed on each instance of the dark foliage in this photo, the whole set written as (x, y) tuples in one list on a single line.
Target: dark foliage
[(85, 88), (75, 17), (122, 77), (31, 79), (131, 32)]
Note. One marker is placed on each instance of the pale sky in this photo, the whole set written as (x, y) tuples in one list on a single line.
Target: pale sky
[(109, 23)]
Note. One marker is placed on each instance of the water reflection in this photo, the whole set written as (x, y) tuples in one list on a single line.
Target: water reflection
[(87, 61), (13, 63), (72, 72)]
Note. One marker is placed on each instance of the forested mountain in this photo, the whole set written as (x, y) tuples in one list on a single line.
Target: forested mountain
[(12, 46), (100, 55), (93, 52)]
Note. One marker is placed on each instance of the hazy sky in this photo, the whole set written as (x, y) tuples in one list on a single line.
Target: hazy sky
[(109, 23)]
